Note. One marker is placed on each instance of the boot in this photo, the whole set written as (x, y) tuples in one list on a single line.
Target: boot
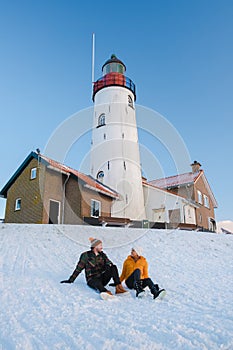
[(138, 287), (120, 289), (155, 291), (109, 292)]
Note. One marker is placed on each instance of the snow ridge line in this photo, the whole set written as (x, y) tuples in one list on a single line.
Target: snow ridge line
[(147, 231)]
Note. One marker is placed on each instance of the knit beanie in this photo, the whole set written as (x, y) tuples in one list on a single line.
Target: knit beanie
[(138, 250), (94, 242)]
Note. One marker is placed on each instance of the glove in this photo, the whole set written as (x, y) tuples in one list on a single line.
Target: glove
[(66, 281)]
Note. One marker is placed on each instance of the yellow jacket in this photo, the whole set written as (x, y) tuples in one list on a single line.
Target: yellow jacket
[(130, 266)]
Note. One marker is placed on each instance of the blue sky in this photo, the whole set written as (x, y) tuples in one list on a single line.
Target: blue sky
[(178, 53)]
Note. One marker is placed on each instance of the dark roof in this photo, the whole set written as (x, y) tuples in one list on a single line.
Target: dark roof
[(113, 59), (88, 181)]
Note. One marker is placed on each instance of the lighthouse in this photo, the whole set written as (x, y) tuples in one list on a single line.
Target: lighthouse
[(115, 158)]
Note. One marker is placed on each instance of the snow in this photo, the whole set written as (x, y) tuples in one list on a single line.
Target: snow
[(37, 312), (227, 225)]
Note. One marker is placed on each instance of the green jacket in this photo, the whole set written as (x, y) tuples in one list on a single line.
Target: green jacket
[(94, 265)]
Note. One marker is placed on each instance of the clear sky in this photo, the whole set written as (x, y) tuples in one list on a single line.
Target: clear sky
[(179, 53)]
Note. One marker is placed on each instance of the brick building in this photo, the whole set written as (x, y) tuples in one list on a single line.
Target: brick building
[(195, 188)]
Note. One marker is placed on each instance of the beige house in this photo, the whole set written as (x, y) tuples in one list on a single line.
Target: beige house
[(195, 188), (44, 191)]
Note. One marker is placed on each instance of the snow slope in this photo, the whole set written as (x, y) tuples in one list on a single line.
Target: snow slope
[(227, 224), (37, 312)]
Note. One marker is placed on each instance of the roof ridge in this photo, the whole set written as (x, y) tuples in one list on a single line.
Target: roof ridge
[(171, 176), (97, 184)]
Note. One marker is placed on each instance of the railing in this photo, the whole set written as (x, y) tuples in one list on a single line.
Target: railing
[(112, 79)]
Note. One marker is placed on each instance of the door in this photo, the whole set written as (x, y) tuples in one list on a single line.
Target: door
[(54, 212)]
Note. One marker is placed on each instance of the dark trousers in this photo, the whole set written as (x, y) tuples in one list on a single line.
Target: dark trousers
[(136, 276), (99, 283)]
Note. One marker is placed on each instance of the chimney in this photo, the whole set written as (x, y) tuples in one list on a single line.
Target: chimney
[(195, 166)]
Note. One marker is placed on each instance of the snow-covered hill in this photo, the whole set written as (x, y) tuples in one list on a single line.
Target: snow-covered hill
[(227, 225), (37, 312)]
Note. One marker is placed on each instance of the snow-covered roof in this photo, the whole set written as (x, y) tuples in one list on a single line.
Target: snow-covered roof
[(89, 182), (149, 184), (182, 180), (176, 180)]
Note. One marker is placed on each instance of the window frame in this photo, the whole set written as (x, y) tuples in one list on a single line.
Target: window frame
[(93, 209), (101, 120), (206, 201), (18, 203), (33, 171), (100, 176), (130, 102), (199, 197)]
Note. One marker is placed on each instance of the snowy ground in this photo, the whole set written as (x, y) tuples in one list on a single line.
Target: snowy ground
[(37, 312)]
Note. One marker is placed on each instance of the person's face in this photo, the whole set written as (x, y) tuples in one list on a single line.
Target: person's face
[(134, 254), (99, 248)]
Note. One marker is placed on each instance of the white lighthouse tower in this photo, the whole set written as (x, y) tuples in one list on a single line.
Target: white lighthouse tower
[(115, 158)]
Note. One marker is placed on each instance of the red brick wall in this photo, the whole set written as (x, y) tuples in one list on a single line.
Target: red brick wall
[(203, 212)]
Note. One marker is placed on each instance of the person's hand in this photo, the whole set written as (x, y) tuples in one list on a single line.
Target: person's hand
[(66, 281)]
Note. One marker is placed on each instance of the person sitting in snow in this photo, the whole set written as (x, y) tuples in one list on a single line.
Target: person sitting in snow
[(135, 274), (98, 269)]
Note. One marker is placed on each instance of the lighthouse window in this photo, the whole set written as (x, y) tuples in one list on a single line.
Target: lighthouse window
[(101, 120), (130, 101), (100, 176)]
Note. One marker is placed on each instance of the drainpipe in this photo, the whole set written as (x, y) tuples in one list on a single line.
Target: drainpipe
[(63, 198), (184, 212)]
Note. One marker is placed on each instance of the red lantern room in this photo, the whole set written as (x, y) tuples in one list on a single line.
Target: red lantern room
[(113, 75)]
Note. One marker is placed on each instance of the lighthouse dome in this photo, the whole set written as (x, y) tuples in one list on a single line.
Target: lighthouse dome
[(113, 65), (113, 75)]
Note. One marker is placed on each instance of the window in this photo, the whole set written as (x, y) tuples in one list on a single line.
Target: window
[(33, 173), (200, 218), (206, 201), (100, 176), (199, 197), (101, 120), (18, 204), (130, 101), (95, 208)]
